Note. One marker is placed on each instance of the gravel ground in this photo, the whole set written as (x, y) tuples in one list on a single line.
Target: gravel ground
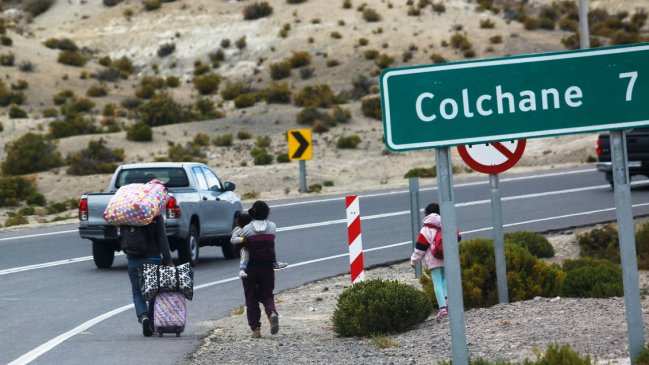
[(506, 331)]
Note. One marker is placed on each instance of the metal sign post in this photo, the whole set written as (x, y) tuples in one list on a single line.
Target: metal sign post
[(459, 351), (413, 185), (624, 214), (499, 239)]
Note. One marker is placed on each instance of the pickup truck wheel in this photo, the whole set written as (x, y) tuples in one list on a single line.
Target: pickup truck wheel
[(609, 178), (188, 251), (103, 254), (230, 251)]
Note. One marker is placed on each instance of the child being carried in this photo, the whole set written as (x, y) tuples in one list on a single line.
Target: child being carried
[(243, 220)]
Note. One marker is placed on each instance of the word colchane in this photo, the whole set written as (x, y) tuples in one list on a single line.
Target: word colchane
[(500, 103)]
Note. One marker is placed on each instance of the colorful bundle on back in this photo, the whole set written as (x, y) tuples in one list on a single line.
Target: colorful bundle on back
[(136, 204)]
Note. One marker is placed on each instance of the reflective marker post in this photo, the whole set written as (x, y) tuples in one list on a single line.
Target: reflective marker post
[(459, 351)]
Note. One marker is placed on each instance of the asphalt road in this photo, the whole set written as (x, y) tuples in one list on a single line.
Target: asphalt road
[(57, 308)]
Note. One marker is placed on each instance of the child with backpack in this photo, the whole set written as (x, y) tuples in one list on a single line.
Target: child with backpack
[(243, 220), (429, 248)]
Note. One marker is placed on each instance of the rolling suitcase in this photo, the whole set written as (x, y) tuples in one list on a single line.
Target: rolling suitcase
[(169, 313)]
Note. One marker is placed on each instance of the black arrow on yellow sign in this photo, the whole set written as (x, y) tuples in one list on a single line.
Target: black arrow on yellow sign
[(299, 144), (304, 144)]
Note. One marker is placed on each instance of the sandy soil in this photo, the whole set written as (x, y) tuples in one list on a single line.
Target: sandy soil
[(198, 27)]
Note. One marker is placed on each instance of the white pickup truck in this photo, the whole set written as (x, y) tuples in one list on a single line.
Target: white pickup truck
[(201, 211)]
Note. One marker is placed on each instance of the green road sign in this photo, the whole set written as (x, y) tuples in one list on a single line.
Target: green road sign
[(516, 97)]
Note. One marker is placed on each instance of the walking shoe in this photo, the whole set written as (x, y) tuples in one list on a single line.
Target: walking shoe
[(274, 323), (277, 265), (242, 274), (147, 330), (256, 333), (443, 312)]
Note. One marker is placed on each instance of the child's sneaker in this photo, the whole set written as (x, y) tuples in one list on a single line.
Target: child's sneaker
[(277, 265), (256, 333), (443, 312), (242, 274)]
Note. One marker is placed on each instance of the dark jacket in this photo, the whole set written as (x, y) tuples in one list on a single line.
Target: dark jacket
[(260, 242), (158, 243)]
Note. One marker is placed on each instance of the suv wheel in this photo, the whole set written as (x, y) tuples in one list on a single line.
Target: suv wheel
[(188, 250)]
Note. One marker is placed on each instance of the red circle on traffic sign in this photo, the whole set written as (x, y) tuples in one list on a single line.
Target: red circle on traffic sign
[(492, 157)]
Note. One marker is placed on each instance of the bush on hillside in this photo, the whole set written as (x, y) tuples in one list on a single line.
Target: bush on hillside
[(72, 125), (316, 96), (207, 84), (277, 93), (162, 110), (16, 112), (37, 7), (72, 58), (371, 107), (642, 246), (421, 172), (223, 140), (14, 189), (96, 159), (300, 59), (379, 306), (257, 10), (190, 152), (280, 70), (139, 132), (348, 142), (643, 356), (30, 153)]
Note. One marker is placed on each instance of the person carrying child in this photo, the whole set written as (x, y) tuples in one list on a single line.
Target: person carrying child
[(242, 221), (259, 283), (423, 250)]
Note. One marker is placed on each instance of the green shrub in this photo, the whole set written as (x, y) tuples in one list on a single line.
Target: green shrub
[(257, 10), (300, 59), (7, 59), (73, 125), (310, 115), (8, 97), (97, 91), (487, 24), (241, 42), (162, 110), (62, 97), (72, 58), (20, 85), (348, 142), (263, 158), (26, 211), (191, 152), (139, 132), (205, 110), (207, 84), (316, 96), (496, 39), (35, 199), (263, 142), (172, 81), (531, 23), (37, 7), (535, 243), (588, 278), (280, 70), (371, 107), (234, 89), (371, 15), (150, 5), (437, 58), (379, 306), (96, 159), (244, 135), (421, 172), (314, 188), (600, 243), (17, 113), (527, 276), (283, 158), (6, 41), (16, 220), (278, 93), (223, 140), (77, 105), (30, 153), (370, 54), (14, 189), (643, 356), (245, 100)]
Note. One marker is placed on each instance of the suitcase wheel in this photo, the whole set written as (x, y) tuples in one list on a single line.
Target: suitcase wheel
[(160, 334), (177, 333)]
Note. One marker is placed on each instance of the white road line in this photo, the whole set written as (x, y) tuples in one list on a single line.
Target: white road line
[(37, 235), (49, 345)]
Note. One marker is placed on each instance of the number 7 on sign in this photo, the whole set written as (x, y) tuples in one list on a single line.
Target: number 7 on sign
[(633, 75)]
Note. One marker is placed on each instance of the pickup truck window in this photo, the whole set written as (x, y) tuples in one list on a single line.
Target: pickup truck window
[(200, 178), (171, 177), (212, 180)]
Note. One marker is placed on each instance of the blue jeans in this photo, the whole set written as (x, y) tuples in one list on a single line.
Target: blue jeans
[(141, 306)]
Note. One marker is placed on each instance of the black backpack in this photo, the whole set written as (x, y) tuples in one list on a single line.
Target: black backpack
[(135, 239)]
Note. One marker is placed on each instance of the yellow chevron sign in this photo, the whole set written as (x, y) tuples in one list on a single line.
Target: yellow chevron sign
[(299, 144)]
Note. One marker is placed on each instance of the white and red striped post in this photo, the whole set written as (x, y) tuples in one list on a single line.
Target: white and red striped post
[(355, 241)]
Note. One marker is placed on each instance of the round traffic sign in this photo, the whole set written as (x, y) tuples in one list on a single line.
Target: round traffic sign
[(492, 157)]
